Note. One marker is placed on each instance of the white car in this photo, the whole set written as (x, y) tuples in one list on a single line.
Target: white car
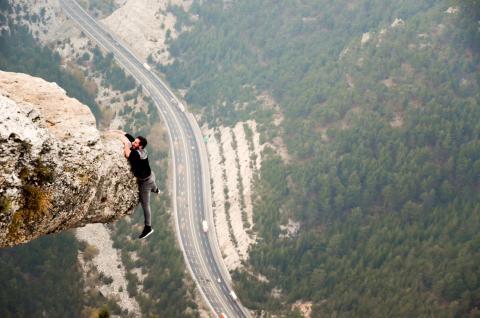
[(205, 226), (234, 296)]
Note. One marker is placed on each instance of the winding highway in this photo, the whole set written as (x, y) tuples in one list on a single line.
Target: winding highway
[(191, 181)]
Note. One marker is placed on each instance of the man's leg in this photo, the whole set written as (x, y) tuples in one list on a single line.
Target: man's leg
[(144, 193), (154, 185)]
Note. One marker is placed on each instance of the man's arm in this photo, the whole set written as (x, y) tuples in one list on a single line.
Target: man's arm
[(129, 137), (127, 140), (127, 144), (126, 147)]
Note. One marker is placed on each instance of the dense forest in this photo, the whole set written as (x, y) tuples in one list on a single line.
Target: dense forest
[(27, 272), (381, 112)]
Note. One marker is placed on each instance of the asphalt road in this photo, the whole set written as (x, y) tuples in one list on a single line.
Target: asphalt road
[(191, 182)]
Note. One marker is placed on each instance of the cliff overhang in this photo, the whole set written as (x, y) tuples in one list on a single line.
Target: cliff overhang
[(57, 171)]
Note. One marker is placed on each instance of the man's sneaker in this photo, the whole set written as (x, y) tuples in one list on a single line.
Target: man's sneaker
[(147, 230)]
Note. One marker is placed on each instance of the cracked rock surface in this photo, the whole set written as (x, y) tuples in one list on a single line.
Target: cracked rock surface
[(57, 171)]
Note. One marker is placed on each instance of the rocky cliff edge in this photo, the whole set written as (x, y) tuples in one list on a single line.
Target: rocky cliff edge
[(57, 171)]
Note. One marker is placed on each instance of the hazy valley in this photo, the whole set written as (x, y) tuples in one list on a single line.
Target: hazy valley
[(343, 148)]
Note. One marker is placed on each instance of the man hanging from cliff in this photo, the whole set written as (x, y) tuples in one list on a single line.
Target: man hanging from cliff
[(135, 152)]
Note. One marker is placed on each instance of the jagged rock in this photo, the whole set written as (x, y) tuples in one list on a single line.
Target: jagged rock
[(57, 171), (397, 23)]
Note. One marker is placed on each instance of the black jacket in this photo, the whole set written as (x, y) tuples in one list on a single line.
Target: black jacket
[(138, 160)]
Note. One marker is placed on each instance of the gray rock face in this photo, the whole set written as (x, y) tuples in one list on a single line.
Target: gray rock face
[(57, 171)]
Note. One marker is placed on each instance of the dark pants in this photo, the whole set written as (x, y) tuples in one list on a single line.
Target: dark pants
[(146, 186)]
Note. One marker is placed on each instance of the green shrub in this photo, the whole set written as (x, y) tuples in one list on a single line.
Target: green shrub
[(90, 252), (5, 205)]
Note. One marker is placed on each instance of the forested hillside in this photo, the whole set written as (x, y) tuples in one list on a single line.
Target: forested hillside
[(381, 116), (20, 53)]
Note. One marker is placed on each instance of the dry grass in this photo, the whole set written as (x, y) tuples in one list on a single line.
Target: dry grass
[(37, 204)]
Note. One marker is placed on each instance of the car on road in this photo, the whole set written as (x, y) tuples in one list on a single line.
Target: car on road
[(205, 226), (222, 315), (182, 108), (233, 295)]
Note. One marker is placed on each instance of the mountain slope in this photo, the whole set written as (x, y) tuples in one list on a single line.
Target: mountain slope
[(381, 117)]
